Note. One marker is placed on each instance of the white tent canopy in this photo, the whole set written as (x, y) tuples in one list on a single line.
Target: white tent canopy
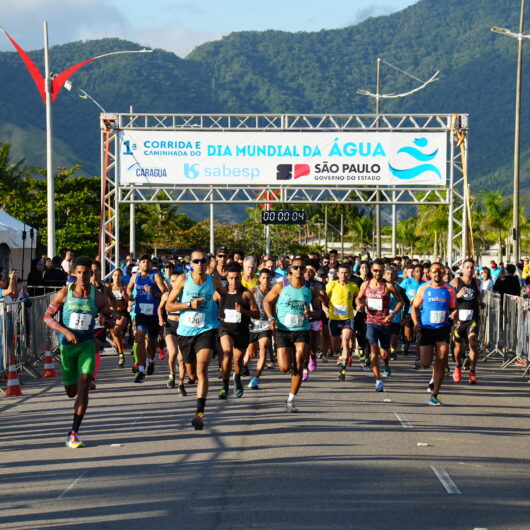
[(18, 251)]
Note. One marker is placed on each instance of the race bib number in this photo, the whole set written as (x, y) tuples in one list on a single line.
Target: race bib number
[(80, 321), (341, 310), (293, 321), (193, 319), (117, 295), (147, 309), (232, 316), (260, 325), (375, 304), (465, 314), (438, 317)]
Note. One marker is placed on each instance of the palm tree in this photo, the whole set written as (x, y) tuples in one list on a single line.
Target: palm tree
[(432, 226), (362, 230), (497, 217), (10, 175)]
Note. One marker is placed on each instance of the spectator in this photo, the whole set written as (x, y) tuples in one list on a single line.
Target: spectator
[(68, 262), (35, 277), (508, 283), (487, 281), (55, 277)]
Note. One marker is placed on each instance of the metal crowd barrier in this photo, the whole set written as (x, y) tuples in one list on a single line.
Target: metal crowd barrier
[(506, 331)]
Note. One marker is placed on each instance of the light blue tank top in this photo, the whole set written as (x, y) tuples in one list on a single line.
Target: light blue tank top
[(290, 307), (197, 321), (78, 316)]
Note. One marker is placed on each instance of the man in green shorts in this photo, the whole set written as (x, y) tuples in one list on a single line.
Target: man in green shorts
[(79, 302)]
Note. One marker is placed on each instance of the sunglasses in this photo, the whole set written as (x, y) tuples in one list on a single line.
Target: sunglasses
[(377, 270), (202, 261), (298, 267), (437, 270), (222, 256)]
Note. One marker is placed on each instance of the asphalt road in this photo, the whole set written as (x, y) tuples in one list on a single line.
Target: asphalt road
[(351, 458)]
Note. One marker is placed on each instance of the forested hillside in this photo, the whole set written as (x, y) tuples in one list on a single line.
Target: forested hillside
[(283, 72)]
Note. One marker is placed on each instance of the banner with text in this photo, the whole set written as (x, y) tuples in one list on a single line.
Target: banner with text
[(282, 158)]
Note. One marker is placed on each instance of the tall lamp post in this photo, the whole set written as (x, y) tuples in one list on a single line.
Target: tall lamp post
[(49, 87), (378, 97), (516, 236)]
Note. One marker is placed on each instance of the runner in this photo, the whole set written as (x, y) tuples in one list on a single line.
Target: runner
[(430, 313), (287, 308), (78, 305), (237, 306), (148, 287), (122, 315), (375, 296), (169, 322), (341, 294), (100, 325), (315, 324), (197, 330), (468, 302), (390, 276), (221, 270), (359, 321), (411, 286), (260, 334)]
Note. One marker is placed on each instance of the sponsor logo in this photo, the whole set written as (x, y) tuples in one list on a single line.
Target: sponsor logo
[(190, 171), (288, 171), (412, 169)]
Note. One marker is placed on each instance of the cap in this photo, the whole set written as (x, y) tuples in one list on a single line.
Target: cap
[(222, 250), (135, 269)]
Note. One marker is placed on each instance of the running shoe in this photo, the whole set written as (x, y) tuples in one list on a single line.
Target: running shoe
[(417, 364), (467, 363), (379, 386), (135, 368), (305, 375), (435, 401), (521, 363), (339, 359), (222, 394), (349, 362), (254, 383), (290, 407), (457, 374), (171, 382), (430, 386), (270, 366), (73, 441), (139, 377), (393, 355), (244, 371), (150, 367), (162, 354), (312, 363), (387, 372), (320, 355), (472, 378), (367, 362), (198, 421), (330, 355), (362, 358), (342, 375), (92, 385), (239, 390), (121, 361), (182, 391), (324, 359)]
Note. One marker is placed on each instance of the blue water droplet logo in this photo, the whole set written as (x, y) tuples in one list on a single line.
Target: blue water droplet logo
[(419, 156)]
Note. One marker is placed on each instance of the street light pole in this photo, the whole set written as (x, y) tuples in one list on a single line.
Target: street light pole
[(517, 133), (50, 186)]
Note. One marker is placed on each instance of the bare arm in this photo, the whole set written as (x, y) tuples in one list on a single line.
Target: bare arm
[(269, 303), (315, 303), (55, 306), (359, 301), (130, 287), (253, 312), (399, 299)]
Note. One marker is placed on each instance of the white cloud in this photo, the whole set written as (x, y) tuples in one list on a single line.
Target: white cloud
[(370, 11), (71, 20)]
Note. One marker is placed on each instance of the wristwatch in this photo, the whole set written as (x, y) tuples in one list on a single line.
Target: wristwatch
[(189, 304), (272, 319)]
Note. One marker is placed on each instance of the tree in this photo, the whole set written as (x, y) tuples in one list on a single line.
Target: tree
[(497, 217)]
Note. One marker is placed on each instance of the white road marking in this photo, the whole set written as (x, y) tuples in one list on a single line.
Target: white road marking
[(446, 480), (72, 485), (403, 420)]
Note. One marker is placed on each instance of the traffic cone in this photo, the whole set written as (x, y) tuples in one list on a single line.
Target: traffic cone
[(13, 385), (49, 367)]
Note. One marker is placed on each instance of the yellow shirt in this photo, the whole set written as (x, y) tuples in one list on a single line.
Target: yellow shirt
[(249, 284), (526, 271), (341, 300)]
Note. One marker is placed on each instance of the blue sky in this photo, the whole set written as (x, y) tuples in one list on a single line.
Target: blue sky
[(178, 25)]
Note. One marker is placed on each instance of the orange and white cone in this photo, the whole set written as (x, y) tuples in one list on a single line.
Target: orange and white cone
[(13, 385), (49, 367)]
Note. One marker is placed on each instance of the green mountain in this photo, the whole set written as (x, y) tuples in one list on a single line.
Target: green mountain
[(280, 72)]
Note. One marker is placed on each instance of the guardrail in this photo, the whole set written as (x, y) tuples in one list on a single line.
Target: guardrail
[(505, 332)]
